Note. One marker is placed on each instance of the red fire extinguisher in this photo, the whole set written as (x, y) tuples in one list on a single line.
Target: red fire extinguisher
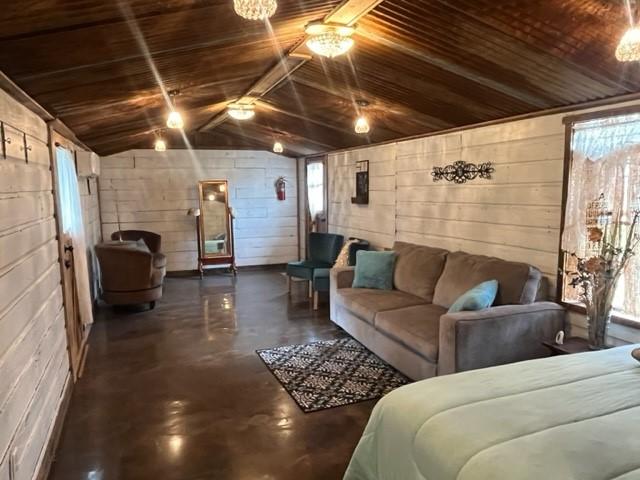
[(281, 188)]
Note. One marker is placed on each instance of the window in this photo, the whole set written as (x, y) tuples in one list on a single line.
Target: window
[(603, 175)]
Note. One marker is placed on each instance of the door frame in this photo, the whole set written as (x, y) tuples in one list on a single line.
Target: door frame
[(324, 159), (76, 358)]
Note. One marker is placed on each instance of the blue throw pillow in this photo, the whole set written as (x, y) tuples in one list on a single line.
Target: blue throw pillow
[(478, 298), (374, 270)]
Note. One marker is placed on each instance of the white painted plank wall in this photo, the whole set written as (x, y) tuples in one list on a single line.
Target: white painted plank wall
[(515, 216), (89, 199), (153, 191), (33, 355)]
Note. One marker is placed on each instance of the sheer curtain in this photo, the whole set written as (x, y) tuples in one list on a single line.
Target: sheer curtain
[(73, 227), (315, 188), (605, 160)]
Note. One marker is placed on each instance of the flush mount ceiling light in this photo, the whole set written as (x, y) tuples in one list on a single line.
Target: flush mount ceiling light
[(255, 9), (240, 111), (174, 120), (628, 49), (278, 147), (329, 39)]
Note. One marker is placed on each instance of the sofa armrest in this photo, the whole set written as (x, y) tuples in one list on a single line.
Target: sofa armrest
[(340, 277), (497, 335)]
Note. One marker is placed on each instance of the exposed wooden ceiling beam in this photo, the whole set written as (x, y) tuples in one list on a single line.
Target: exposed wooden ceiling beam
[(347, 13)]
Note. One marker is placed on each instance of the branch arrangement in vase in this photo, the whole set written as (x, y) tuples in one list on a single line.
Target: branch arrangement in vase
[(596, 276)]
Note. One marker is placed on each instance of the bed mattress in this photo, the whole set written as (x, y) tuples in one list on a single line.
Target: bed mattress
[(565, 418)]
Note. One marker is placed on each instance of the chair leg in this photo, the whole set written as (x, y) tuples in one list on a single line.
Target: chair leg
[(289, 284), (310, 289), (315, 300)]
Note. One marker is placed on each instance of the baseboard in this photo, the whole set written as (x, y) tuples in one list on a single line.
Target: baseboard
[(56, 432), (249, 268)]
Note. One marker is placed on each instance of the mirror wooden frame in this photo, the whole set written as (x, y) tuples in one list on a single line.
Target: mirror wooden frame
[(203, 258)]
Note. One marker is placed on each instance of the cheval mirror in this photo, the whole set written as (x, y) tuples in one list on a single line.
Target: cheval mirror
[(215, 226)]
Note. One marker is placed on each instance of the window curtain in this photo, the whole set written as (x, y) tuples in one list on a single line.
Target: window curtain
[(315, 188), (605, 161), (73, 227)]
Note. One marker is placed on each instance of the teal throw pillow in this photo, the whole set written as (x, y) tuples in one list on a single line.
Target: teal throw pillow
[(374, 270), (478, 298)]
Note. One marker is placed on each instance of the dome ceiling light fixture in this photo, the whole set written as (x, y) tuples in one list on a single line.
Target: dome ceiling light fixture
[(329, 39), (174, 120), (241, 111), (278, 147), (255, 9), (628, 49), (362, 124)]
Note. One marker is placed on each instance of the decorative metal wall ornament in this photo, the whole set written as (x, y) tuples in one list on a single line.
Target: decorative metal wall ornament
[(461, 172)]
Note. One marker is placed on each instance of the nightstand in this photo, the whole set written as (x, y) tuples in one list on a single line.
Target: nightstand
[(570, 345)]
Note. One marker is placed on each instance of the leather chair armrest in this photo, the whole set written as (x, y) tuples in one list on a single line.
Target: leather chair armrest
[(497, 335)]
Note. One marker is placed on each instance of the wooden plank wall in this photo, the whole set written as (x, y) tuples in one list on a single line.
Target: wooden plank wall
[(34, 365), (515, 216), (153, 191)]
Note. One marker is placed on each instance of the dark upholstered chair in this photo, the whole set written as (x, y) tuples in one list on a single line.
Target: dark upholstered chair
[(324, 248), (153, 240), (131, 273), (321, 276)]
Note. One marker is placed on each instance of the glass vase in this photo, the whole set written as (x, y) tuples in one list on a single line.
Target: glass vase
[(598, 327)]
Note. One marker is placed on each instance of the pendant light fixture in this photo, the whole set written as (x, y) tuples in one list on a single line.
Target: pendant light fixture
[(628, 49), (278, 147), (174, 120), (362, 124), (160, 145), (329, 39), (241, 111), (255, 9)]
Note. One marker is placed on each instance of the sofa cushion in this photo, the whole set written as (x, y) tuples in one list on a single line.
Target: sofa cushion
[(418, 269), (366, 303), (518, 282), (416, 327)]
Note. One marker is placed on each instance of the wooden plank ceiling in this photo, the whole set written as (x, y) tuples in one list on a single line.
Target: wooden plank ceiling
[(424, 66)]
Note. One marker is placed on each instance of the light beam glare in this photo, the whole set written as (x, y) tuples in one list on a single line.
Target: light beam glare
[(132, 24)]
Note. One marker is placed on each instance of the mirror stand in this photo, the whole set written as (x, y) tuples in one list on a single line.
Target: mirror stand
[(215, 227)]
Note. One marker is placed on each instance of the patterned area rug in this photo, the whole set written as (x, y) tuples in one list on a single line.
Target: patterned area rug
[(330, 374)]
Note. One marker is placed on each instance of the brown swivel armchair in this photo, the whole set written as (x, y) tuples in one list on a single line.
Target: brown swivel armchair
[(132, 273)]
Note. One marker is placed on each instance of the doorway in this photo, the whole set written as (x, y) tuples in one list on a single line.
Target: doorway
[(316, 195), (73, 256)]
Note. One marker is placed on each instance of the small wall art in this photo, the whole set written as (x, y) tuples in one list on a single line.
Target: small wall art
[(461, 172)]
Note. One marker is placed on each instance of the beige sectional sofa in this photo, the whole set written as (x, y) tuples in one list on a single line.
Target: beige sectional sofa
[(409, 327)]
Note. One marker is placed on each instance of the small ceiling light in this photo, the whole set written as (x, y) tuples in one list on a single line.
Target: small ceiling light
[(160, 145), (255, 9), (628, 49), (278, 147), (174, 120), (362, 125), (241, 112), (329, 39)]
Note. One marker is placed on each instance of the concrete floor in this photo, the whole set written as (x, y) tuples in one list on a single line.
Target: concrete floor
[(178, 393)]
